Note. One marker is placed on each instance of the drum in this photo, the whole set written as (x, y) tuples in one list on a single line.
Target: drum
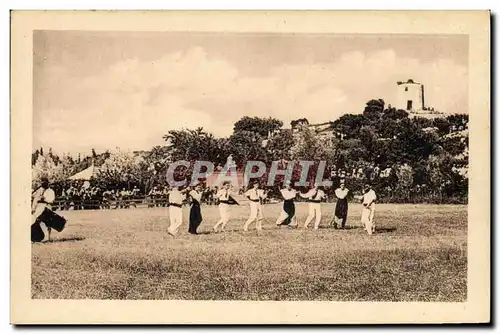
[(52, 220), (37, 234)]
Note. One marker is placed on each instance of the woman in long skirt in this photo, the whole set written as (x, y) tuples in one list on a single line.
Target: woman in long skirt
[(288, 214), (195, 217), (289, 209), (341, 207)]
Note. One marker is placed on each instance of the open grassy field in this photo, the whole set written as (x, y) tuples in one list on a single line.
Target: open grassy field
[(419, 253)]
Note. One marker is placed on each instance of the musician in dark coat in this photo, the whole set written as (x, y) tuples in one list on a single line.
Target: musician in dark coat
[(195, 217), (341, 208), (42, 198)]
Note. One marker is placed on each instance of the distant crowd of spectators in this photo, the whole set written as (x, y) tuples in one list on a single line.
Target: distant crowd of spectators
[(83, 196), (80, 195)]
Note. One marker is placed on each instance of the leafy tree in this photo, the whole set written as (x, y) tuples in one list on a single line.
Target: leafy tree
[(438, 169), (422, 123), (458, 121), (394, 114), (350, 152), (122, 168), (310, 147), (442, 124), (84, 163), (158, 154), (387, 128), (413, 144), (369, 139), (192, 145), (101, 158), (454, 145), (46, 167), (34, 157), (261, 126), (349, 126), (296, 122), (245, 146), (68, 165), (405, 180), (279, 146), (374, 109)]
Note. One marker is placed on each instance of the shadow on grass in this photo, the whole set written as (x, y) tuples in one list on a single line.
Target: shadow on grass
[(351, 227), (385, 230), (70, 239), (225, 232), (203, 233)]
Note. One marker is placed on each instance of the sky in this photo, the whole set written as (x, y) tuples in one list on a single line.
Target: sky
[(105, 90)]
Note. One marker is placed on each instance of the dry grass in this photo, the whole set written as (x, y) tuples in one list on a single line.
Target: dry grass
[(419, 254)]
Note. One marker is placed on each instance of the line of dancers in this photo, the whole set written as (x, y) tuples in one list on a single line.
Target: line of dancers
[(287, 217)]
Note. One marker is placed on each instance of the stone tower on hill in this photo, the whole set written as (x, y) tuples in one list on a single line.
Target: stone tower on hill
[(411, 97)]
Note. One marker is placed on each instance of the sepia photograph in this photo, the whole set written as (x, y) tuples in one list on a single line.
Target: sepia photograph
[(245, 165)]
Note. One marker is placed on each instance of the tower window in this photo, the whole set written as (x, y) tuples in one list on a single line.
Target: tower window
[(406, 89)]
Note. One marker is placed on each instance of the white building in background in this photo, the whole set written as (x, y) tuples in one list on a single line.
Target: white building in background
[(411, 97)]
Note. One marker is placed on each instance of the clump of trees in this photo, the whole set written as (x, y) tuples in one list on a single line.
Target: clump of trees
[(431, 153), (406, 159)]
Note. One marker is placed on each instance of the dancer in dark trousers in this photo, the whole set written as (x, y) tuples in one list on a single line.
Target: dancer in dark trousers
[(195, 218), (288, 214)]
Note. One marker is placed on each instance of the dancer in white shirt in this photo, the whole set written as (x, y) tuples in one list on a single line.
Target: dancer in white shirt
[(288, 214), (175, 199), (315, 196), (255, 195), (368, 200), (223, 196), (42, 198)]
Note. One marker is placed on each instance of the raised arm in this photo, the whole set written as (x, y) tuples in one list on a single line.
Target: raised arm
[(323, 196), (306, 195), (358, 197), (195, 195), (35, 197), (263, 194)]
